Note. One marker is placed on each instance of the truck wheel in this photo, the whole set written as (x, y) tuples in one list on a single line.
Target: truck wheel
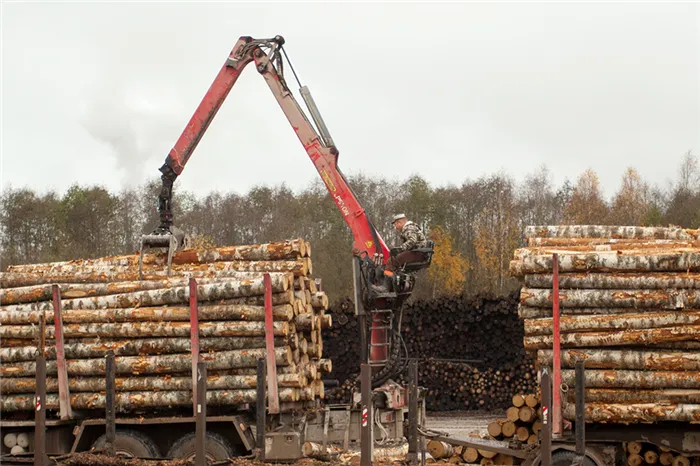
[(130, 444), (217, 448), (566, 457)]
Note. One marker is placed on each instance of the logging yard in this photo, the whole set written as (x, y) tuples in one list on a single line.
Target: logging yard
[(102, 341)]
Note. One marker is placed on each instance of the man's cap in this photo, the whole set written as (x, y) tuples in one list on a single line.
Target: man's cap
[(398, 217)]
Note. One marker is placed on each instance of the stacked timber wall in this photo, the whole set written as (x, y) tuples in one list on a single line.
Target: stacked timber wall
[(630, 308), (146, 323), (469, 347)]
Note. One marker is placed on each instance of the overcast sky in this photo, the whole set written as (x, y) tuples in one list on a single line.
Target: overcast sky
[(98, 93)]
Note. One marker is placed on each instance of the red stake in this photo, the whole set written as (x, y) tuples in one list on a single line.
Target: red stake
[(194, 339), (556, 360), (272, 392), (63, 393)]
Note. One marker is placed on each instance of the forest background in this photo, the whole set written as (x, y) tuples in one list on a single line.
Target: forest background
[(476, 225)]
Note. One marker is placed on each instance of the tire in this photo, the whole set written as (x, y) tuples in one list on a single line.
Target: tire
[(130, 444), (217, 448), (565, 458)]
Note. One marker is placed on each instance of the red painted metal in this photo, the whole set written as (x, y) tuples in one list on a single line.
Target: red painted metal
[(325, 159), (63, 392), (194, 339), (557, 426), (273, 401)]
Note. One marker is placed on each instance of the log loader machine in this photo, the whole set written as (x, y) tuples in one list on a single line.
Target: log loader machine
[(379, 312), (382, 309)]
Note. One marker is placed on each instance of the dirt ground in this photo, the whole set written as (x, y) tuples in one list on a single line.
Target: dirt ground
[(456, 424), (87, 459)]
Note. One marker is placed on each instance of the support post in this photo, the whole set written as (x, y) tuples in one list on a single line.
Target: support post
[(580, 410), (110, 395), (272, 389), (201, 420), (40, 457), (360, 309), (546, 432), (63, 392), (557, 424), (194, 338), (261, 413), (366, 437), (413, 412)]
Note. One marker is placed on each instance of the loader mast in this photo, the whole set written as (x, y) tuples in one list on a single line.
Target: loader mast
[(267, 56)]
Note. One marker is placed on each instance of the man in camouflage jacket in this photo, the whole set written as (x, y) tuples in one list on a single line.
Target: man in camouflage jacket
[(413, 238)]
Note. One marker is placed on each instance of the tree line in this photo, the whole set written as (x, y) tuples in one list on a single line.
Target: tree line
[(476, 225)]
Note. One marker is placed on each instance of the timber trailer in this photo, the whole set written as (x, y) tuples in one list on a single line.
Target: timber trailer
[(231, 432)]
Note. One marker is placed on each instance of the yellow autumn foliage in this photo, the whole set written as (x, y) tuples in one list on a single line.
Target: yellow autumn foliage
[(448, 270)]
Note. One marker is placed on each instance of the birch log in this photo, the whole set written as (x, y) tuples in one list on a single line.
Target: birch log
[(162, 364), (603, 358), (147, 329), (635, 379), (604, 231), (663, 299), (135, 384), (644, 320), (128, 401), (637, 413), (633, 395), (619, 281), (617, 338), (143, 346), (529, 312), (176, 295), (290, 249), (608, 262)]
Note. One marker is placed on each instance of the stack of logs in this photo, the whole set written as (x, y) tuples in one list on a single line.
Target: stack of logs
[(522, 421), (469, 349), (629, 300), (146, 323), (639, 453), (522, 424)]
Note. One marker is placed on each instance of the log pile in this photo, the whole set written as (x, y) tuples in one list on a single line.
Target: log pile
[(522, 421), (642, 453), (146, 323), (469, 348), (630, 308)]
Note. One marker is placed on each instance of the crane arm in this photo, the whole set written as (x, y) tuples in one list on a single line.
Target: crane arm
[(266, 54)]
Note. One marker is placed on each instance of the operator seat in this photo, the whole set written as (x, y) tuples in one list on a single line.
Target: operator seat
[(427, 251)]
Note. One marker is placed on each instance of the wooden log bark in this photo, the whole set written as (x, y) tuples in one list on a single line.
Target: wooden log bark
[(107, 274), (604, 231), (616, 281), (634, 395), (305, 322), (639, 320), (281, 250), (616, 338), (625, 359), (207, 312), (162, 364), (127, 401), (663, 299), (135, 384), (608, 261), (528, 312), (635, 379), (637, 413), (148, 329), (438, 449), (319, 300), (144, 346), (169, 296), (90, 277), (559, 242), (315, 450)]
